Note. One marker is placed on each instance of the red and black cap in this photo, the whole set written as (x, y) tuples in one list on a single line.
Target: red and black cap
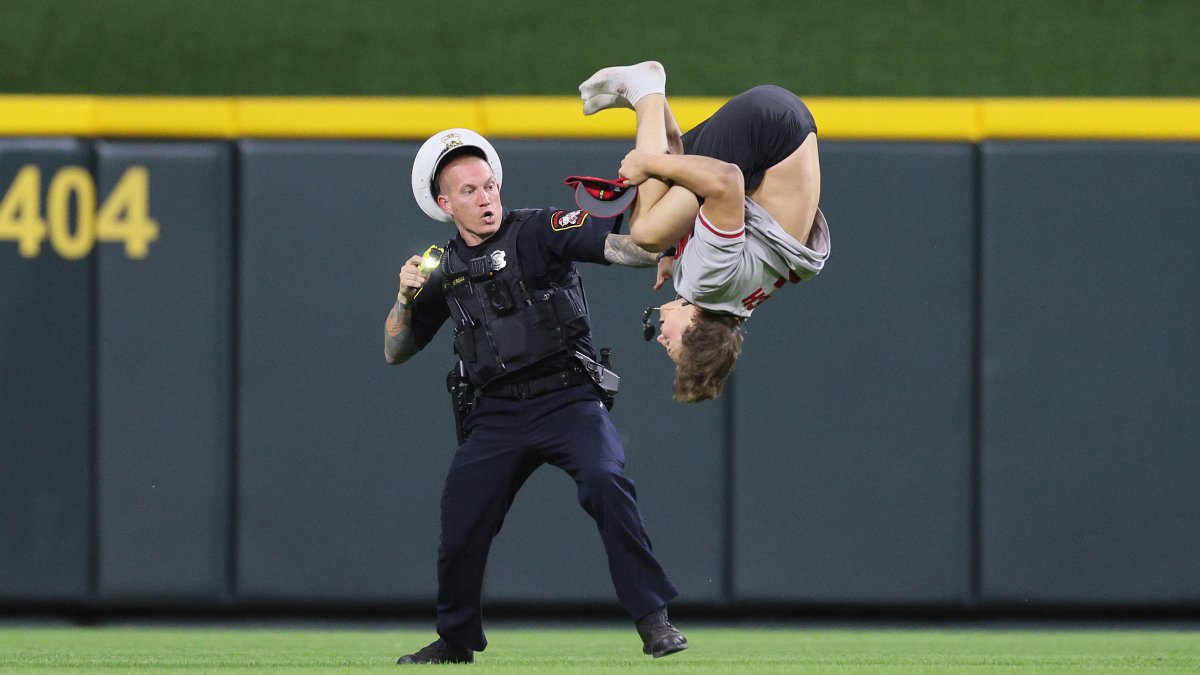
[(601, 197)]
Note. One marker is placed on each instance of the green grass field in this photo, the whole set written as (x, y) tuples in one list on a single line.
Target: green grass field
[(535, 47), (588, 649)]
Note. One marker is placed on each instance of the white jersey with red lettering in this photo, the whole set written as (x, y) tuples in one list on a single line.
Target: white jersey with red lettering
[(734, 272)]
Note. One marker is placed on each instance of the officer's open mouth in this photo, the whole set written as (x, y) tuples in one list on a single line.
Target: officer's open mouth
[(489, 216)]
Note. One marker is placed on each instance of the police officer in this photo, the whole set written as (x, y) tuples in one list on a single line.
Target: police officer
[(508, 285)]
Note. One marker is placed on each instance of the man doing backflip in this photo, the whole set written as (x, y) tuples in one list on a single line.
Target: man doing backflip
[(738, 198)]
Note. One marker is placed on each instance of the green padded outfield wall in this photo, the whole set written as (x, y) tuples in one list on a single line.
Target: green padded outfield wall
[(854, 403), (47, 396), (164, 365), (1090, 472), (986, 400), (337, 486)]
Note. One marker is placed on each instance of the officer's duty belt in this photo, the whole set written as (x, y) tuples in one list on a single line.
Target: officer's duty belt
[(537, 386)]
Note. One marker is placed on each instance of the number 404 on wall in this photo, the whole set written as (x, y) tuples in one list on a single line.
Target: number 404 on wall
[(123, 217)]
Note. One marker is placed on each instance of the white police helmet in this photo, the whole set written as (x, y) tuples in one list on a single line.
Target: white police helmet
[(430, 156)]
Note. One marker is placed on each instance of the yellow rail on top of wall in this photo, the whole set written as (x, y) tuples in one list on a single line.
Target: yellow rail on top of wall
[(895, 119)]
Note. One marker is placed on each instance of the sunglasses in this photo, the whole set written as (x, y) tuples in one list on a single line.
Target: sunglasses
[(648, 329)]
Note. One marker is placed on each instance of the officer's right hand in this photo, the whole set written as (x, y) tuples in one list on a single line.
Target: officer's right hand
[(411, 279)]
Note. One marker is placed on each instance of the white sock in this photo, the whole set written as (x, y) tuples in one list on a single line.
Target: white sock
[(598, 102), (630, 83)]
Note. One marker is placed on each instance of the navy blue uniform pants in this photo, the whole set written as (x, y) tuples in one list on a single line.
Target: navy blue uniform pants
[(507, 441)]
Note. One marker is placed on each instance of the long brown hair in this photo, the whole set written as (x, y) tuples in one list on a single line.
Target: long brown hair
[(710, 349)]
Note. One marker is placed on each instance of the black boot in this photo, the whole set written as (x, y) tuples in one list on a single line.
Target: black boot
[(659, 637), (438, 651)]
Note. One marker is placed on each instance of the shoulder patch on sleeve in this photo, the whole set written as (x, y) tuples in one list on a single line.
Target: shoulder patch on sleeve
[(567, 220)]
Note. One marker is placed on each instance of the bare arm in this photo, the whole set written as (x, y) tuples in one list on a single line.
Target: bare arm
[(718, 183), (619, 249), (706, 177), (398, 342)]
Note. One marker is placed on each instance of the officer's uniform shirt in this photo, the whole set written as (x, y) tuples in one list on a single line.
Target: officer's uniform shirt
[(548, 245)]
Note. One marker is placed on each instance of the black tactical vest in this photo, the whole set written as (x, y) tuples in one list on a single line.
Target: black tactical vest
[(501, 325)]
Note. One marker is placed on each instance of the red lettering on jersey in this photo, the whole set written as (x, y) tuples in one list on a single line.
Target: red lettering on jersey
[(759, 297), (754, 299)]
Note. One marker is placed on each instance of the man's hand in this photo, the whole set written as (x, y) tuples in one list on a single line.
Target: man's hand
[(634, 167), (666, 269), (411, 279)]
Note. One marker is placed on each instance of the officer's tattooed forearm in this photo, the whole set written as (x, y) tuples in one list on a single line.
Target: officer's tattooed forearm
[(398, 344), (619, 249)]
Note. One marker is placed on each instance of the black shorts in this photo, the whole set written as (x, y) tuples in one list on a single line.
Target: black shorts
[(755, 130)]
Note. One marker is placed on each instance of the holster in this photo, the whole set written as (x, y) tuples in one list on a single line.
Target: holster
[(462, 397), (607, 382)]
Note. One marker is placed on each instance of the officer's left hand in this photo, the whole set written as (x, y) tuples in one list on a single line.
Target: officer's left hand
[(411, 279)]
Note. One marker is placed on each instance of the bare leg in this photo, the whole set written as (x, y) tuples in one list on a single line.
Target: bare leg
[(662, 213), (642, 87), (674, 133), (652, 136)]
